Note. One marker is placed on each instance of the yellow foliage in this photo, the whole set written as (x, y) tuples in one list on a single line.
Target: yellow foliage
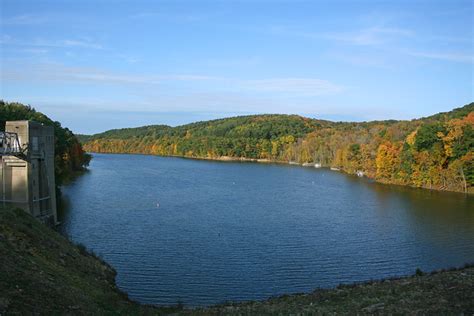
[(411, 138)]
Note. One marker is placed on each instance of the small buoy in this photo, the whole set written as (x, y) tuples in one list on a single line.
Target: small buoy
[(157, 204)]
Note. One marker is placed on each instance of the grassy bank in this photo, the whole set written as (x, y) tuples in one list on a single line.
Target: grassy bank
[(438, 293), (41, 272)]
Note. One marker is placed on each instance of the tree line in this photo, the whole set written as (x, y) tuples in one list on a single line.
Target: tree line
[(434, 152)]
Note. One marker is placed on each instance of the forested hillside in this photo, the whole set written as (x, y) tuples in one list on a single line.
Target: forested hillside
[(434, 152), (69, 155), (255, 136)]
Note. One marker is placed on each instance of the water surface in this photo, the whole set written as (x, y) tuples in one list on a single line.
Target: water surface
[(230, 231)]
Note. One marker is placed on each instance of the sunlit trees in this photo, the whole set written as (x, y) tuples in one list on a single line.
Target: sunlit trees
[(387, 160), (434, 152)]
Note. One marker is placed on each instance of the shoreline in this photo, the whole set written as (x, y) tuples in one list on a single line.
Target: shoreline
[(282, 162), (441, 291)]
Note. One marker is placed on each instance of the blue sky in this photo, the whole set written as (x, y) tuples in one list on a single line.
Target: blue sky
[(96, 65)]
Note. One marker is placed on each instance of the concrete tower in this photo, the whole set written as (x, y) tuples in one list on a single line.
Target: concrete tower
[(27, 169)]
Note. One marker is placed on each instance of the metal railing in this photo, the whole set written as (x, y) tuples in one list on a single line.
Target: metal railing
[(9, 144)]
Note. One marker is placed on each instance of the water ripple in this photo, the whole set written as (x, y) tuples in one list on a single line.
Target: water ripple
[(271, 233)]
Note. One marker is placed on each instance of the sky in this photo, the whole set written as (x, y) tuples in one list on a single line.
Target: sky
[(97, 65)]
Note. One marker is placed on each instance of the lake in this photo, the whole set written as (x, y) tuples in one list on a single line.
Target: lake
[(204, 232)]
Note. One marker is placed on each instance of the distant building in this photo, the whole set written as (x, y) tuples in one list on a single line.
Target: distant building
[(27, 169)]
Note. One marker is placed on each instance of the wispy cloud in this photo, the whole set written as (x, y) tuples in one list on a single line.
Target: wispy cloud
[(66, 43), (449, 39), (236, 62), (361, 60), (5, 39), (369, 36), (76, 43), (456, 57), (24, 19), (59, 72), (297, 87), (180, 18), (128, 59), (384, 37), (35, 50), (40, 42)]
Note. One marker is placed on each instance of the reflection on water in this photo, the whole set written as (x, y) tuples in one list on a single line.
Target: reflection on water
[(242, 231)]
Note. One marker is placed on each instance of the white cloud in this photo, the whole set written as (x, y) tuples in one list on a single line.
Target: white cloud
[(5, 39), (76, 43), (236, 62), (297, 86), (362, 60), (369, 36), (166, 16), (58, 72), (129, 59), (35, 50), (456, 57), (302, 87), (24, 19), (39, 42), (191, 77)]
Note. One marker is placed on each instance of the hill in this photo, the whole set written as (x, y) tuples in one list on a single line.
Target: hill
[(42, 273), (243, 136), (435, 152)]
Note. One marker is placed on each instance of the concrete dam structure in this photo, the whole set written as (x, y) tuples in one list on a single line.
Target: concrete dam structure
[(27, 169)]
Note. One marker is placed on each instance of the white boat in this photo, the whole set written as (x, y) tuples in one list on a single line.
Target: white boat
[(335, 169), (317, 165)]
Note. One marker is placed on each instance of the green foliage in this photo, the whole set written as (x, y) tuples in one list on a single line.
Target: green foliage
[(125, 133), (427, 135), (355, 150), (407, 160), (454, 114), (469, 172), (466, 143)]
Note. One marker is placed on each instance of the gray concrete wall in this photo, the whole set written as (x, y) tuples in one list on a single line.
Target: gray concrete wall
[(28, 181)]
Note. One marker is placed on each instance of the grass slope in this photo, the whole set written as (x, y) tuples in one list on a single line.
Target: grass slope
[(41, 272), (438, 293)]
